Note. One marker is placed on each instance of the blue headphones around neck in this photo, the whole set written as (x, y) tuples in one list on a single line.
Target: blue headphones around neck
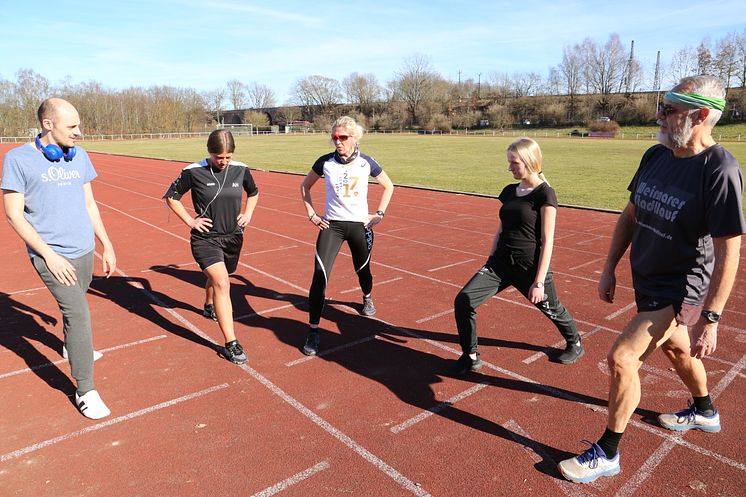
[(54, 152)]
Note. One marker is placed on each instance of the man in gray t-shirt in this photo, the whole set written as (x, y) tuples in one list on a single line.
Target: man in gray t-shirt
[(684, 222), (49, 202)]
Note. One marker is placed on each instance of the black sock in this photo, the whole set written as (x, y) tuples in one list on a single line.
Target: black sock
[(609, 442), (704, 405)]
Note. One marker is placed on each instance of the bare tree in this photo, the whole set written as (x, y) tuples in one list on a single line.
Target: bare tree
[(236, 93), (414, 84), (318, 91), (363, 91), (683, 64), (261, 96), (606, 66), (214, 101), (704, 57), (526, 84), (741, 58), (726, 61)]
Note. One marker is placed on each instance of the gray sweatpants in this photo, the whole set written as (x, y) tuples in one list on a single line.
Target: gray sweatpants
[(75, 316)]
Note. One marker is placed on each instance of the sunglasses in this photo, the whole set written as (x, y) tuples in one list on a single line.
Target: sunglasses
[(342, 138), (665, 110)]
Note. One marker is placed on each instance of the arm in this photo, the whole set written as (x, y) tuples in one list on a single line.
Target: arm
[(620, 241), (59, 266), (548, 223), (388, 190), (703, 333), (109, 257), (244, 217), (305, 194), (201, 224)]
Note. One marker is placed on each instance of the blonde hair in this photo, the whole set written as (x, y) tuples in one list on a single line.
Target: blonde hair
[(352, 127), (530, 154)]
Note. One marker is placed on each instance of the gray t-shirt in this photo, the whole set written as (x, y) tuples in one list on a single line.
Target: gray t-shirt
[(680, 204), (54, 197)]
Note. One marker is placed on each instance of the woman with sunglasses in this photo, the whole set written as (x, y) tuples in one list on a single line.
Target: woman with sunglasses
[(345, 172), (217, 184)]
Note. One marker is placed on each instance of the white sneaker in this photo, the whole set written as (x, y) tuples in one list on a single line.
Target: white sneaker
[(96, 354), (589, 465), (91, 406), (689, 419)]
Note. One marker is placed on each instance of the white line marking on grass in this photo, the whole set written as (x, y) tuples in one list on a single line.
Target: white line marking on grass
[(450, 265), (586, 263), (538, 355), (620, 311), (438, 407), (538, 454), (326, 352), (378, 283), (434, 316), (296, 478), (46, 443), (60, 361)]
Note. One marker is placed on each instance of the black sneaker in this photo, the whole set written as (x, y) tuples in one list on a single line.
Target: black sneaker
[(464, 365), (311, 346), (571, 354), (209, 312), (368, 308), (234, 352)]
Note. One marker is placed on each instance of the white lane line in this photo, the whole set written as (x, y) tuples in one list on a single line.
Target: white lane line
[(318, 420), (392, 473), (538, 455), (378, 283), (46, 443), (620, 311), (163, 269), (296, 478), (285, 247), (555, 345), (438, 407), (434, 316), (332, 350), (586, 263), (267, 311), (60, 361), (28, 290), (450, 265)]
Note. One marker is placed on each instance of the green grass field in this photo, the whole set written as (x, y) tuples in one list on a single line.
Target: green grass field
[(584, 172)]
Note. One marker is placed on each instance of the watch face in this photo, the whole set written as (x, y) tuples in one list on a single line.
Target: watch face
[(712, 317)]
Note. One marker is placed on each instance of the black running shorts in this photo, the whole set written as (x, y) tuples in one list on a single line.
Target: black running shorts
[(212, 250)]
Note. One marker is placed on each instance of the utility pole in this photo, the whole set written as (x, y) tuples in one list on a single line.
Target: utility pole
[(479, 83), (657, 80)]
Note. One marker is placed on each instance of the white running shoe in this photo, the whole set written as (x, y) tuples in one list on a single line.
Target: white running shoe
[(96, 354), (589, 465), (91, 406), (690, 419)]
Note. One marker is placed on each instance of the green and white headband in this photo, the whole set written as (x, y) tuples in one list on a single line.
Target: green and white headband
[(695, 100)]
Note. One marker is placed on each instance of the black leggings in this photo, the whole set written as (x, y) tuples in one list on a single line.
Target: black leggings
[(360, 240)]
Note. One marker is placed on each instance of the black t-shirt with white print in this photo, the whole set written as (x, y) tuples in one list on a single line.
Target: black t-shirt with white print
[(520, 217), (216, 194)]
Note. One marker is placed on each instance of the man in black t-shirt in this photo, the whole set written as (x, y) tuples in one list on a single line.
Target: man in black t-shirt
[(684, 222)]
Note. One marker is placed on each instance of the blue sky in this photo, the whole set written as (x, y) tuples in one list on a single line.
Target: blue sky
[(202, 44)]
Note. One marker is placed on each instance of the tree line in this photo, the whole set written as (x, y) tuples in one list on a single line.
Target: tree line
[(592, 80)]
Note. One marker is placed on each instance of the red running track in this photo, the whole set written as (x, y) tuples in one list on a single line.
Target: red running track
[(374, 414)]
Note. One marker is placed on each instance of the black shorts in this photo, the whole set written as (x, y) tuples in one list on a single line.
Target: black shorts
[(686, 314), (222, 248)]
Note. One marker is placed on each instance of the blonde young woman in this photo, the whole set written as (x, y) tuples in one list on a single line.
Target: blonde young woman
[(520, 256)]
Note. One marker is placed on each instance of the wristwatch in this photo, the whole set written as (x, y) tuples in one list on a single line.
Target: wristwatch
[(380, 213), (711, 316), (539, 284)]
